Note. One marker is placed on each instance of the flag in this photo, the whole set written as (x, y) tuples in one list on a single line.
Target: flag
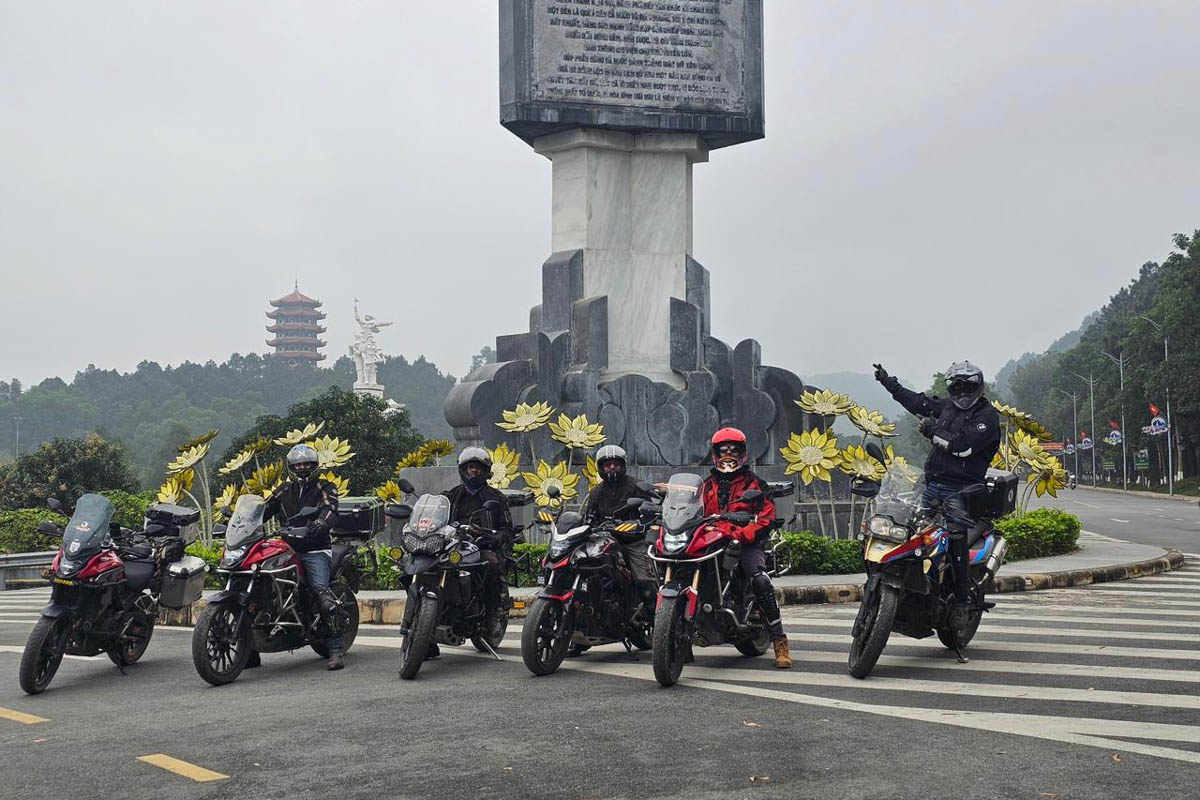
[(1154, 409), (1082, 435), (1112, 423)]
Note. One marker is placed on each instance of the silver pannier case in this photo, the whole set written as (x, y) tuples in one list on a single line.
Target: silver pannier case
[(183, 582)]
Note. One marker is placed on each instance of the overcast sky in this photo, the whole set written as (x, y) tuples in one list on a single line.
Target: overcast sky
[(994, 170)]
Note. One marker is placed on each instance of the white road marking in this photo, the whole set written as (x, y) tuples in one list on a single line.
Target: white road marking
[(1122, 521), (984, 643), (9, 648), (997, 618), (1094, 633)]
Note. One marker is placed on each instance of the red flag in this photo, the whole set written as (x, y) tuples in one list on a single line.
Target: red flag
[(1082, 435), (1112, 423), (1154, 409)]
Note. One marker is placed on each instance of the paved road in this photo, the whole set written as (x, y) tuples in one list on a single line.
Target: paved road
[(1134, 518), (1078, 693)]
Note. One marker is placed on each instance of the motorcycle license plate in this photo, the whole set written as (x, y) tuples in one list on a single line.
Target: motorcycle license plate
[(66, 581)]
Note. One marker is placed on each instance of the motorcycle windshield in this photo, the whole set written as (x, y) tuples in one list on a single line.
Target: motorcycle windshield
[(430, 514), (682, 503), (89, 524), (900, 493), (246, 521)]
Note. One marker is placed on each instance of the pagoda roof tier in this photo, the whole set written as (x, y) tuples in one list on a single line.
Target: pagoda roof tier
[(298, 355), (296, 312), (281, 327), (296, 299), (280, 340)]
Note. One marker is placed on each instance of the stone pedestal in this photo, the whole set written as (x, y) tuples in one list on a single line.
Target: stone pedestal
[(369, 389)]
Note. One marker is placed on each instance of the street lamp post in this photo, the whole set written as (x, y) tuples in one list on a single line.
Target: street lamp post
[(1074, 395), (1170, 454), (17, 445), (1119, 360), (1090, 380)]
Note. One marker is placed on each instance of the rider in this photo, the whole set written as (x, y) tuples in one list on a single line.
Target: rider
[(965, 432), (722, 492), (314, 549), (466, 502), (608, 501)]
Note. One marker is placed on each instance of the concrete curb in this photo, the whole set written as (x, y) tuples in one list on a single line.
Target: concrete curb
[(390, 610), (1141, 493)]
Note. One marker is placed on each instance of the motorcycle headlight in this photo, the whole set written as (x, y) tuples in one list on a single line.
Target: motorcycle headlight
[(595, 549), (884, 528), (232, 556), (673, 542)]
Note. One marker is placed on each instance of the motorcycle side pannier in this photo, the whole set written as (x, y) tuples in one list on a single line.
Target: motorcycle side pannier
[(359, 517), (178, 517), (182, 582), (1001, 496)]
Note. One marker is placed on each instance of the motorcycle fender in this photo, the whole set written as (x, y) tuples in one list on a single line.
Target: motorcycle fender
[(227, 594), (875, 550), (415, 565), (55, 610), (674, 589), (548, 593), (908, 579)]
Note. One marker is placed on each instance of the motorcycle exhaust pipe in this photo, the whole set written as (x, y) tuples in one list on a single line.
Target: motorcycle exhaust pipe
[(992, 566)]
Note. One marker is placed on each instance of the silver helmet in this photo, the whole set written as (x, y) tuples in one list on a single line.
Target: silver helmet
[(303, 461), (964, 382), (474, 455), (611, 452)]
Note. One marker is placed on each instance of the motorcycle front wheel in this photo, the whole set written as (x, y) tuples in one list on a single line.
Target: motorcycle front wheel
[(420, 636), (43, 653), (672, 640), (546, 635), (877, 627), (220, 649)]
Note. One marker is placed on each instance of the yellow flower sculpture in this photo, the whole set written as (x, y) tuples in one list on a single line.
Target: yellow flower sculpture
[(871, 422), (576, 433), (812, 454), (1005, 458), (858, 462), (1049, 479), (505, 466), (390, 492), (591, 473), (264, 479), (226, 499), (898, 465), (300, 434), (416, 458), (237, 462), (188, 459), (825, 403), (547, 476), (1029, 451), (260, 445), (331, 452), (171, 491), (342, 484), (1023, 421), (525, 417), (435, 449), (203, 438)]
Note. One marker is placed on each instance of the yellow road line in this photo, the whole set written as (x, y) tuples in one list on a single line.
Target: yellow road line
[(17, 716), (198, 774)]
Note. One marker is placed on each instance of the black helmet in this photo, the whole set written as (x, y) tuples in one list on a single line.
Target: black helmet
[(479, 457), (302, 461), (964, 382), (611, 453)]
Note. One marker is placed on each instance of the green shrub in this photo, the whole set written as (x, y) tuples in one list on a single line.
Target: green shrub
[(131, 508), (377, 569), (529, 563), (1038, 533), (18, 530), (212, 557), (810, 554)]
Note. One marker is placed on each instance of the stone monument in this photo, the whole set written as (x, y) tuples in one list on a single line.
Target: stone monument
[(367, 354), (624, 97)]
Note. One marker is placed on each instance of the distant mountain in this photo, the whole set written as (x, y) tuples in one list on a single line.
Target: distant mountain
[(1060, 345), (862, 388)]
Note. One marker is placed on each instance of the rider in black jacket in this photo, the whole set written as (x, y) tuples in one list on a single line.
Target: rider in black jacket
[(965, 432), (608, 501), (314, 549)]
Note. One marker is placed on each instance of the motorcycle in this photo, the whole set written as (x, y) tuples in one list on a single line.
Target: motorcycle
[(909, 584), (1072, 481), (589, 596), (703, 599), (266, 606), (446, 573), (107, 584)]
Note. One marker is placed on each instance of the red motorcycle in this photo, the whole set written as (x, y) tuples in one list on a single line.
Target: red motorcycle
[(266, 605), (107, 584), (703, 599)]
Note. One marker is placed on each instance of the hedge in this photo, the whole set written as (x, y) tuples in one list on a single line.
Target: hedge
[(1039, 533), (810, 554)]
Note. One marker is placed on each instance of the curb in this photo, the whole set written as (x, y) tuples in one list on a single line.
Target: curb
[(1141, 493), (390, 611)]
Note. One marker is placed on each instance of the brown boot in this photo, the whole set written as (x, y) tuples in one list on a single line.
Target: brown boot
[(782, 659)]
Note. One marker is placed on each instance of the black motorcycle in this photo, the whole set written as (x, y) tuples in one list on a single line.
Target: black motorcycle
[(444, 570), (107, 583), (589, 597)]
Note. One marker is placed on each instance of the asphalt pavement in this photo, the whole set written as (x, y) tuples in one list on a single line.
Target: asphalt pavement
[(1161, 521)]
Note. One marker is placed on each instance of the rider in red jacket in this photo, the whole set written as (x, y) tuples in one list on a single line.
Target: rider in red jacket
[(722, 492)]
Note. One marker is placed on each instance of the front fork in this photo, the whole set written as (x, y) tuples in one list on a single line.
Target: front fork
[(869, 591)]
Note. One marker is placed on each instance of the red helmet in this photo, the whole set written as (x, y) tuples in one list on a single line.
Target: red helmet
[(729, 450)]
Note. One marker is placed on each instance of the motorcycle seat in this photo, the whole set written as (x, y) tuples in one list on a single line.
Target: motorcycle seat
[(340, 552), (977, 533)]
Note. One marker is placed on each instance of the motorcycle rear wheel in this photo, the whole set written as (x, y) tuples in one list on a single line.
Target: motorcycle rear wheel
[(946, 636), (416, 643), (43, 653), (546, 636), (219, 649), (877, 627), (349, 602), (494, 642), (672, 638), (131, 651)]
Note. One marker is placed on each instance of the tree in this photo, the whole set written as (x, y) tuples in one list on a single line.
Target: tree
[(378, 438), (66, 469), (486, 355)]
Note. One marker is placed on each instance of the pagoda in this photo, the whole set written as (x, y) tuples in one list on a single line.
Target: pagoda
[(296, 324)]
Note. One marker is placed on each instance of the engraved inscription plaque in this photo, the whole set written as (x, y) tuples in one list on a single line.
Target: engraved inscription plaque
[(679, 66)]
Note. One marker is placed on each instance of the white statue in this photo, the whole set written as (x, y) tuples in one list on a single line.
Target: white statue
[(365, 350)]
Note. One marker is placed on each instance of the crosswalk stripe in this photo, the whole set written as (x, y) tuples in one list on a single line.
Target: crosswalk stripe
[(983, 643), (10, 648), (1003, 600), (1022, 631), (1005, 616)]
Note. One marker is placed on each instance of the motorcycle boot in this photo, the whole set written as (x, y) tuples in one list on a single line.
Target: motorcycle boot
[(783, 659), (328, 603), (336, 660)]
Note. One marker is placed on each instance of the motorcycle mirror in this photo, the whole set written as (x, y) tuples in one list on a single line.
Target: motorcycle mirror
[(222, 528), (553, 492), (49, 528), (55, 504), (395, 511), (491, 505), (750, 495), (874, 451), (634, 502), (648, 488), (406, 486)]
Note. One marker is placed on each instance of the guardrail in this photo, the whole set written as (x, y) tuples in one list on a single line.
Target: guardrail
[(22, 569)]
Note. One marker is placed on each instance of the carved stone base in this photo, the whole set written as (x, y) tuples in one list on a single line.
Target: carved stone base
[(369, 389)]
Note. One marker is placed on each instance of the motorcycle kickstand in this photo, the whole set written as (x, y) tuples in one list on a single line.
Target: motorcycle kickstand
[(629, 649), (962, 659), (490, 650)]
